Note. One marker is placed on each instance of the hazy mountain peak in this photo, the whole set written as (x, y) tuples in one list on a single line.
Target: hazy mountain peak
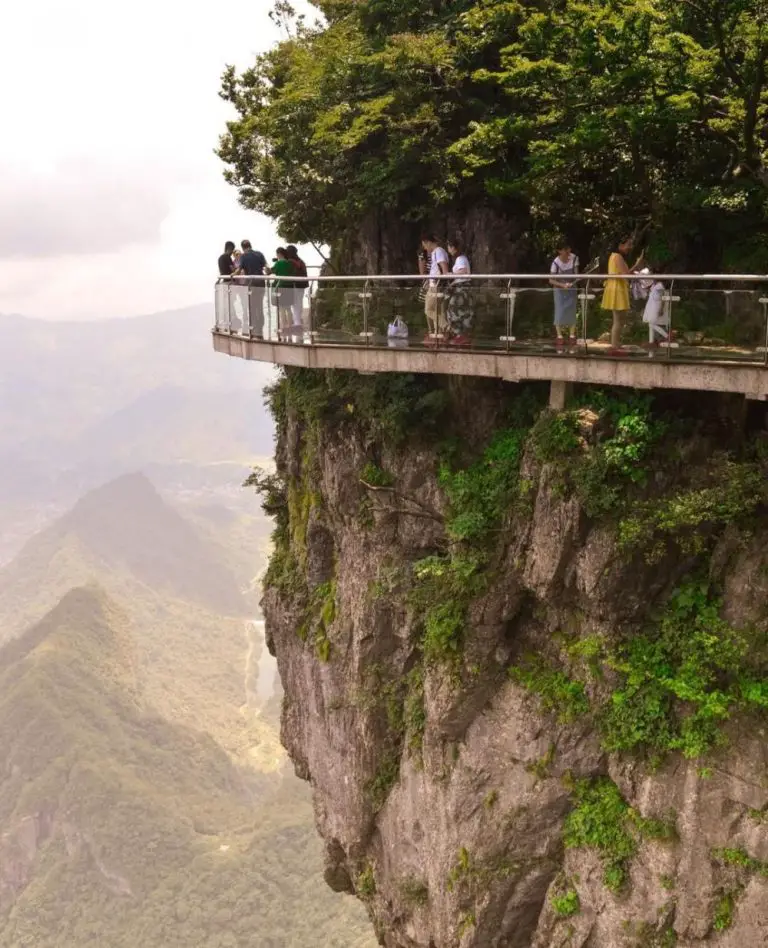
[(129, 527), (85, 631)]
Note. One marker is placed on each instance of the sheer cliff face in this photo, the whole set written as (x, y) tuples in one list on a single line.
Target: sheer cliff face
[(529, 707)]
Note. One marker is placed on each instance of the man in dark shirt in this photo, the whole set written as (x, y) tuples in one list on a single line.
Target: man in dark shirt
[(254, 263), (226, 266)]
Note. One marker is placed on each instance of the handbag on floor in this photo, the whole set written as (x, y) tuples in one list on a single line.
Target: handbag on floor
[(397, 333)]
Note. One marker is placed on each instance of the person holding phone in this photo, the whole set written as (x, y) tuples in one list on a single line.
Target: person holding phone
[(564, 266), (616, 293)]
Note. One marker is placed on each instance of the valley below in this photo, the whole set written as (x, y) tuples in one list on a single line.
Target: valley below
[(145, 799)]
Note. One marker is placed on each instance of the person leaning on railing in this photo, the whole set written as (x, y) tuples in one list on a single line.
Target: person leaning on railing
[(616, 294), (253, 263)]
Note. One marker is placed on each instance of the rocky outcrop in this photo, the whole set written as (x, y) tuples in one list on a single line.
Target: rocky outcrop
[(19, 847), (442, 787)]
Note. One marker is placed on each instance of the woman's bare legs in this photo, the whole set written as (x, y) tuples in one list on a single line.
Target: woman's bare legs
[(616, 329)]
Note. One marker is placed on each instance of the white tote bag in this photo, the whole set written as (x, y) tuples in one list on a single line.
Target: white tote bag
[(397, 333)]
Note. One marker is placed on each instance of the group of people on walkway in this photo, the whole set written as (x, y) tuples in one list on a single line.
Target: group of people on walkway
[(449, 305), (447, 290), (617, 295), (287, 290)]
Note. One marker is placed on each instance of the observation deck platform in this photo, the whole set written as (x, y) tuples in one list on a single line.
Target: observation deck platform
[(750, 380), (344, 326)]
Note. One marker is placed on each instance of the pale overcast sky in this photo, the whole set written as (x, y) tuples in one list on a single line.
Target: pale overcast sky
[(112, 202)]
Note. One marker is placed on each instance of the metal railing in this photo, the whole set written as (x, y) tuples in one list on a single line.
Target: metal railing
[(721, 317)]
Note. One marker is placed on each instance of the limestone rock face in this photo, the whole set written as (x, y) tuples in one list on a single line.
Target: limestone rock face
[(456, 838)]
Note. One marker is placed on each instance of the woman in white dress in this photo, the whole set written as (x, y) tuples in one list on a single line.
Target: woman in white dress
[(656, 314)]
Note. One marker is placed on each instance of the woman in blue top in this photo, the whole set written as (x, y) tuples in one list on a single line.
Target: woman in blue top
[(565, 265)]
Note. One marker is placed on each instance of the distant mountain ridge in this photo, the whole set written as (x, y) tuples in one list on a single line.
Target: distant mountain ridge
[(144, 797), (120, 829), (82, 403), (125, 527)]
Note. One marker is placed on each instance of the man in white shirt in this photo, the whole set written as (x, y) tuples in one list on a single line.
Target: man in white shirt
[(434, 306)]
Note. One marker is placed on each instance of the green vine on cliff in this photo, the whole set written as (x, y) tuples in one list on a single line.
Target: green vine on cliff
[(601, 819), (479, 496), (444, 587), (673, 686), (682, 679), (482, 493)]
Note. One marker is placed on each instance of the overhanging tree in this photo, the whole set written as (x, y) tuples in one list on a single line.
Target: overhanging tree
[(592, 115)]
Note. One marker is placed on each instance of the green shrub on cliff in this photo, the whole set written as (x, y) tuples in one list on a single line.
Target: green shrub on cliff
[(567, 903), (600, 820), (444, 587), (479, 496), (557, 691), (682, 679), (691, 517), (600, 449), (390, 406)]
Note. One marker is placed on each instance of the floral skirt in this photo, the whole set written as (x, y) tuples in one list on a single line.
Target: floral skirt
[(461, 309)]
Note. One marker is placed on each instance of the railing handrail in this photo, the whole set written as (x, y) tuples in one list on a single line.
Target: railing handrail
[(506, 277)]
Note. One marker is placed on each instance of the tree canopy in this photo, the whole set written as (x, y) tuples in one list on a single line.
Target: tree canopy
[(591, 117)]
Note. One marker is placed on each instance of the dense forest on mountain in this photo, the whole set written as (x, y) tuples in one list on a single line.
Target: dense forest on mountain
[(526, 119), (122, 828)]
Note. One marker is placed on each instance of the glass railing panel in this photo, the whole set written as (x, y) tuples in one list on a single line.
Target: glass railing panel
[(533, 314), (221, 306), (696, 319), (484, 306), (724, 322), (238, 306), (439, 313), (398, 304), (338, 312)]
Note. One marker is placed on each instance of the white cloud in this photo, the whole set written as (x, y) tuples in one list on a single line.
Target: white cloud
[(79, 208), (110, 120)]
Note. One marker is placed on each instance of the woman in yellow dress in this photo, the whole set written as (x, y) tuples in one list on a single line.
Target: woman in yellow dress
[(616, 295)]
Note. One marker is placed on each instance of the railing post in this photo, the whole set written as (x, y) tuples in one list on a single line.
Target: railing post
[(764, 304), (441, 319), (668, 303), (311, 316), (585, 314), (366, 296), (229, 307)]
